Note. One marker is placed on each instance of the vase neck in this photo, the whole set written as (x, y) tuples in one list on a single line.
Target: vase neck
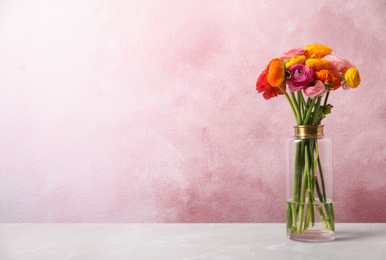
[(304, 131)]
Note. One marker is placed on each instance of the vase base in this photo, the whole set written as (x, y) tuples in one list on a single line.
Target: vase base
[(315, 236)]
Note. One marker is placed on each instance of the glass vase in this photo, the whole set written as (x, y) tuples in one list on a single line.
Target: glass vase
[(310, 205)]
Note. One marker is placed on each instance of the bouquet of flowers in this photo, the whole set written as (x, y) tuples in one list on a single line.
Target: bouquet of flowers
[(306, 77)]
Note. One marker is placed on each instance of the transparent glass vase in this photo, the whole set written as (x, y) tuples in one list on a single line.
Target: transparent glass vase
[(310, 204)]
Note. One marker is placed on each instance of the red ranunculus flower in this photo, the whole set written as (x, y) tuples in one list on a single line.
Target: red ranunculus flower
[(262, 85)]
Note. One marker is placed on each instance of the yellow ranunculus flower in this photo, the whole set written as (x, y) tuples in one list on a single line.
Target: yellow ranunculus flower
[(296, 60), (317, 64), (317, 50), (352, 77)]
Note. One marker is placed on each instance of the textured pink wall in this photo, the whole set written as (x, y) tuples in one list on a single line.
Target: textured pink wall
[(146, 111)]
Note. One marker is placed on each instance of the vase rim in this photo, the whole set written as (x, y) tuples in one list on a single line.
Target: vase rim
[(304, 131)]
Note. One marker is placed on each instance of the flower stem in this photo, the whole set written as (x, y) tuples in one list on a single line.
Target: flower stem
[(304, 189), (296, 104), (310, 106), (302, 103), (315, 118), (291, 104), (326, 98), (322, 181)]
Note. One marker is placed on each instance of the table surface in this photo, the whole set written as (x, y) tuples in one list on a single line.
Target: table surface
[(184, 241)]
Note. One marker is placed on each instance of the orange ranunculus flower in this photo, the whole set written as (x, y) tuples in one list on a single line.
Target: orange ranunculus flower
[(330, 79), (317, 64), (276, 72), (317, 50), (352, 77), (296, 60)]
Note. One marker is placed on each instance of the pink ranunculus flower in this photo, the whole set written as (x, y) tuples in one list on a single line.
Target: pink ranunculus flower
[(315, 91), (301, 77), (292, 53), (338, 65)]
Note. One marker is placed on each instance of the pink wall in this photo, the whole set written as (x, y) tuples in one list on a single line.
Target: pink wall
[(146, 111)]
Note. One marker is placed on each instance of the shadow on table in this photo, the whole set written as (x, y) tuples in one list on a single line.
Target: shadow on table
[(355, 235)]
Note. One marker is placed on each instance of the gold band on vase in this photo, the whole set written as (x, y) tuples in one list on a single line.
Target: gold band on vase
[(304, 131)]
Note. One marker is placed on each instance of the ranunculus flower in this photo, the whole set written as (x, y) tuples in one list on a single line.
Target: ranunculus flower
[(352, 77), (338, 65), (315, 91), (291, 53), (296, 60), (317, 64), (331, 79), (317, 50), (301, 77), (262, 85), (275, 72)]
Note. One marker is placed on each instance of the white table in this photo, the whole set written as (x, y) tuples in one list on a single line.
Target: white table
[(184, 241)]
